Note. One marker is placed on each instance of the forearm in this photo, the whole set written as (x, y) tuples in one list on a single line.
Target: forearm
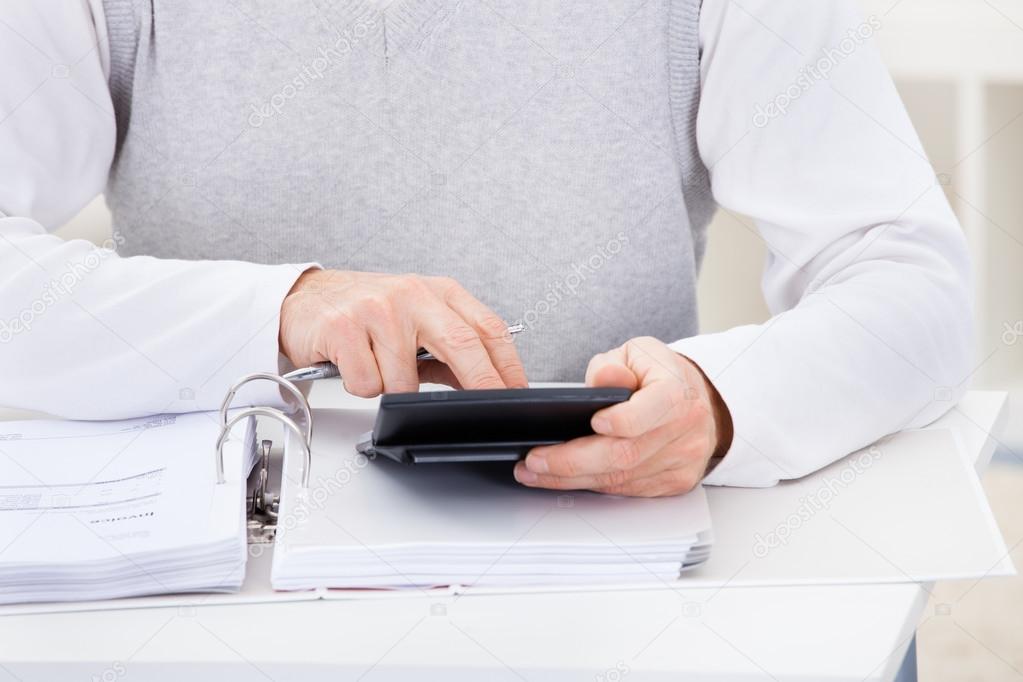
[(86, 334), (867, 275), (880, 352)]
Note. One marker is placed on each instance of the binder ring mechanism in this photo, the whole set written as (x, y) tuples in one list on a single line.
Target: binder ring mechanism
[(305, 436)]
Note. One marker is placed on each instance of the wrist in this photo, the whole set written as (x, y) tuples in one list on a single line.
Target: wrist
[(723, 428), (307, 281), (722, 420)]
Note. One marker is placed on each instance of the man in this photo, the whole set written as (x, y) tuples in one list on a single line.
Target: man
[(558, 160)]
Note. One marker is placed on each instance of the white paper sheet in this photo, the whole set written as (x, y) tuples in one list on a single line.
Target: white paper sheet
[(377, 522), (101, 509)]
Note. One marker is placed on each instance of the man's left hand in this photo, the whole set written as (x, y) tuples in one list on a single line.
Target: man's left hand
[(659, 442)]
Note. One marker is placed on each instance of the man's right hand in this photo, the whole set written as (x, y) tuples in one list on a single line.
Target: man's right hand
[(371, 325)]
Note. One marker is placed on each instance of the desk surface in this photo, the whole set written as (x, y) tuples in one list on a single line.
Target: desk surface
[(784, 633)]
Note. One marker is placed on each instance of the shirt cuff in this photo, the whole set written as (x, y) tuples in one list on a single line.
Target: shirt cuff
[(744, 464), (261, 353)]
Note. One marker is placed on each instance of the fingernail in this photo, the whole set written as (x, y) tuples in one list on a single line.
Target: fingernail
[(525, 476), (537, 462), (601, 425)]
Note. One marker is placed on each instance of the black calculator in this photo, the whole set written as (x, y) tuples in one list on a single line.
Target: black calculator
[(433, 427)]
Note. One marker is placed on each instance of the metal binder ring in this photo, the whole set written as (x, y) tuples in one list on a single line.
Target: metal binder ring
[(272, 413), (283, 383)]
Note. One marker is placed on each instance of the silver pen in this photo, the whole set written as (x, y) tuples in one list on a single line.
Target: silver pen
[(328, 370)]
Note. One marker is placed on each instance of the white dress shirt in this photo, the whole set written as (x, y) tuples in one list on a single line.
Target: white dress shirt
[(867, 276)]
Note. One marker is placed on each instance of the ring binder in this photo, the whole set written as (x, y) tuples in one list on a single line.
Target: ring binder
[(262, 504), (280, 381), (273, 413), (304, 436)]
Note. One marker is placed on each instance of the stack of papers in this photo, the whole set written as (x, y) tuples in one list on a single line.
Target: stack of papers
[(97, 510), (380, 524)]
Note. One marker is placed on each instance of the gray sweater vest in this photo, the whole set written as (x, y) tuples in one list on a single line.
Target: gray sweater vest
[(542, 153)]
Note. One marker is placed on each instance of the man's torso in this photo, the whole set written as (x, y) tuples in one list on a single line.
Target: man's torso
[(536, 152)]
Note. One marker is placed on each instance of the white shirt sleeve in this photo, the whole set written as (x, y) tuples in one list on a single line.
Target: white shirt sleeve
[(867, 275), (84, 333)]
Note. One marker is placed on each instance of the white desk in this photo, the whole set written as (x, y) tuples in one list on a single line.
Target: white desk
[(787, 633)]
